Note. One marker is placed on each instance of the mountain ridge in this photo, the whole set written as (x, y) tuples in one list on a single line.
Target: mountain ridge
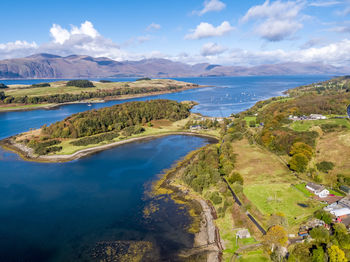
[(44, 65)]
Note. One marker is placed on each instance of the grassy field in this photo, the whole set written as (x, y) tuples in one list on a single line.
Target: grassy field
[(254, 256), (60, 87), (273, 198), (334, 147), (257, 165), (24, 107), (301, 187), (306, 125)]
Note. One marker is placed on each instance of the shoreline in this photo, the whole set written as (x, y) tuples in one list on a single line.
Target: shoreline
[(25, 153), (207, 239), (104, 100)]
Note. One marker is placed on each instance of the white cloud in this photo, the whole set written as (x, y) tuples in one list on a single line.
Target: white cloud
[(60, 35), (205, 30), (210, 6), (210, 49), (277, 20), (153, 26), (17, 49), (324, 3)]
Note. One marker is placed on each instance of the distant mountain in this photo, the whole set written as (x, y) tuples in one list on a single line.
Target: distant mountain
[(82, 66)]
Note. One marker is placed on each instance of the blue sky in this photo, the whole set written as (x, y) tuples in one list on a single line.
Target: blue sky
[(215, 31)]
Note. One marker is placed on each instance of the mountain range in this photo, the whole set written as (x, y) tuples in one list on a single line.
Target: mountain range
[(81, 66)]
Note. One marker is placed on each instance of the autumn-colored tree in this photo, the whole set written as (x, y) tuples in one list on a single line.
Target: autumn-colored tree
[(336, 254), (298, 162), (275, 236), (300, 147)]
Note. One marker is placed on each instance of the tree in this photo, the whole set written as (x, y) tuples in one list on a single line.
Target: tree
[(3, 85), (318, 255), (298, 162), (300, 147), (336, 254), (320, 234), (275, 236)]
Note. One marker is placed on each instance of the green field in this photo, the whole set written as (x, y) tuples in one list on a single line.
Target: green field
[(254, 256), (23, 107), (301, 187), (305, 125), (273, 198)]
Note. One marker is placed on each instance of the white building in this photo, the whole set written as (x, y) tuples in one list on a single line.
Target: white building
[(341, 212), (317, 117), (318, 190)]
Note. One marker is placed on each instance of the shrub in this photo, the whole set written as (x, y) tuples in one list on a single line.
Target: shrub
[(252, 123), (45, 147), (80, 83), (3, 85), (235, 177), (95, 139), (325, 166), (106, 81), (143, 78), (2, 95), (41, 85), (216, 198), (324, 216)]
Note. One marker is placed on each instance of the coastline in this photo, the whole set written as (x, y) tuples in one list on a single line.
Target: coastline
[(26, 153), (32, 107), (207, 239)]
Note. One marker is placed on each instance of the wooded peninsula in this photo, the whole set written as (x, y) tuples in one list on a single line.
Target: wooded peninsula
[(46, 95)]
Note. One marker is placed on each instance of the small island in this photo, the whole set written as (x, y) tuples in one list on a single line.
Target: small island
[(48, 95), (96, 130)]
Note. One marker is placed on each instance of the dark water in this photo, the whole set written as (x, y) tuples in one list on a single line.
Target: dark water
[(227, 95), (58, 212)]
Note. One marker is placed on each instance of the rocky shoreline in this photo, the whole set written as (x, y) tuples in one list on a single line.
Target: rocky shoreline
[(207, 239)]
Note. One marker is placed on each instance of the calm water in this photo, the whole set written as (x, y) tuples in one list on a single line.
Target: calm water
[(227, 95), (58, 212)]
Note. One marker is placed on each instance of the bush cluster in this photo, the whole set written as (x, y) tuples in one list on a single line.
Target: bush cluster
[(95, 139)]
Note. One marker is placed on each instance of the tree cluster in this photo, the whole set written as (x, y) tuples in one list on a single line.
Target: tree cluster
[(80, 83), (117, 118)]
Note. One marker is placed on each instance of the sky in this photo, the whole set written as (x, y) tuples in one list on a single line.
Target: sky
[(227, 32)]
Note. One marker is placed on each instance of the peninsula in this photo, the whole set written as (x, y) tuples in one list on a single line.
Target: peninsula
[(95, 130), (47, 95)]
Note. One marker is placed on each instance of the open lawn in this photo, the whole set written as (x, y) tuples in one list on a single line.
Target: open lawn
[(257, 165), (21, 107), (273, 198)]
